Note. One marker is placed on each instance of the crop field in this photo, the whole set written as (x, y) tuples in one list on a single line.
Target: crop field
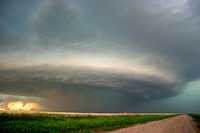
[(42, 122), (196, 118)]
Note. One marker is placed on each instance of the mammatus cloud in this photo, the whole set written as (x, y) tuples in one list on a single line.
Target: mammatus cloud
[(98, 55)]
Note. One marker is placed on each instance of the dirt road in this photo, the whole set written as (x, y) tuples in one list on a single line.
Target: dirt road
[(179, 124)]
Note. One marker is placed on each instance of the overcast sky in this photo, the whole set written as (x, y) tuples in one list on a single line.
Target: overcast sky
[(101, 55)]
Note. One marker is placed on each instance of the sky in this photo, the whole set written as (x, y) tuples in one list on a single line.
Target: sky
[(101, 55)]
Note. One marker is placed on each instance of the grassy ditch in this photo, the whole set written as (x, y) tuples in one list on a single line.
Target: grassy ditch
[(14, 123), (196, 118)]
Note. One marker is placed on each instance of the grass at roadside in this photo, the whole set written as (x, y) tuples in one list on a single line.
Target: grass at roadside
[(14, 123), (196, 118)]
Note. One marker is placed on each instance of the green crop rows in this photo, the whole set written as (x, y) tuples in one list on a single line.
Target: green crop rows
[(18, 123)]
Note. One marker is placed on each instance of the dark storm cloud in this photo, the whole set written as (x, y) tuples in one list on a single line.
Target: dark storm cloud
[(14, 34), (73, 88), (168, 29), (58, 25), (194, 6), (160, 38)]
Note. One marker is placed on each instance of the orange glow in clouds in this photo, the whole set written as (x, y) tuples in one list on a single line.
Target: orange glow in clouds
[(2, 106), (21, 106)]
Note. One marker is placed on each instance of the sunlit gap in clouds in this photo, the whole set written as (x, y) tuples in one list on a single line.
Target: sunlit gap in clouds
[(22, 106), (19, 106), (19, 103)]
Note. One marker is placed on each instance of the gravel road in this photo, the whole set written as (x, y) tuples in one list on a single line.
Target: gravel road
[(178, 124)]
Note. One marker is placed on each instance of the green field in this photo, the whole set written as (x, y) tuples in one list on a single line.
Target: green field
[(196, 118), (14, 123)]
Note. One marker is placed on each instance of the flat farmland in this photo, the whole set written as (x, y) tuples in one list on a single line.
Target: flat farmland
[(72, 122)]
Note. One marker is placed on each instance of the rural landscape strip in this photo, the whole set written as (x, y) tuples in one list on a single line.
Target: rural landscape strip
[(22, 122)]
